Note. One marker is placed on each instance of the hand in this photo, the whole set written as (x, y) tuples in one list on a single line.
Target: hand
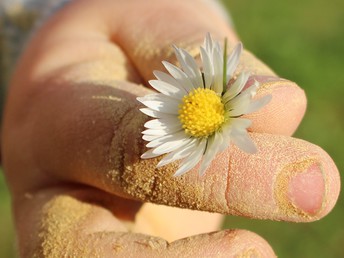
[(72, 142)]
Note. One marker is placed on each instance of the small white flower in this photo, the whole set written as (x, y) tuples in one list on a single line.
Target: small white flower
[(196, 112)]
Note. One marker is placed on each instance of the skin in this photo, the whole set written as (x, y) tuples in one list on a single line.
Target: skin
[(71, 143)]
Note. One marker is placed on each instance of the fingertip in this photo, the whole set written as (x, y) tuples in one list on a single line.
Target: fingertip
[(310, 186), (253, 245), (329, 185), (284, 112), (293, 180)]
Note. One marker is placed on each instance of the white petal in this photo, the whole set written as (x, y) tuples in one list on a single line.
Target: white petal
[(189, 66), (161, 103), (226, 133), (149, 154), (162, 123), (259, 103), (167, 89), (207, 68), (149, 138), (208, 44), (179, 75), (225, 143), (233, 60), (155, 114), (217, 47), (157, 97), (162, 132), (243, 141), (236, 87), (179, 153), (239, 107), (240, 123), (171, 146), (218, 72), (168, 147), (245, 95), (212, 149), (241, 104), (252, 89), (159, 141), (167, 78), (170, 138), (192, 160)]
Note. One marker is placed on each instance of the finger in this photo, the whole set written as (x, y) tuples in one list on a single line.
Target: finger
[(288, 179), (81, 223)]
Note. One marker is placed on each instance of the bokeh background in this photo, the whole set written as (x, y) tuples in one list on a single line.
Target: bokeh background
[(304, 42)]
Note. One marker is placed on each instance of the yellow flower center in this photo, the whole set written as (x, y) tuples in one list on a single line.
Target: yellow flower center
[(201, 113)]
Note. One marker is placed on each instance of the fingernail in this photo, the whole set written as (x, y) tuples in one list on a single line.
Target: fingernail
[(306, 190)]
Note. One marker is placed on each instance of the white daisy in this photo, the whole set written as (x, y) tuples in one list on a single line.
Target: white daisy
[(197, 113)]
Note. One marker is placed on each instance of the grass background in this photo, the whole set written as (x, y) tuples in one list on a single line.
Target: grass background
[(304, 42)]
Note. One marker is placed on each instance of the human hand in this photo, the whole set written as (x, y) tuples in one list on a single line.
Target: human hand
[(72, 141)]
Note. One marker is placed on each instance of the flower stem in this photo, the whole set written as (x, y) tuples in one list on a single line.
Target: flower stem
[(224, 67)]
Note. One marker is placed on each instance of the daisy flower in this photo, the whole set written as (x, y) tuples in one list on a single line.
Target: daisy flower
[(198, 110)]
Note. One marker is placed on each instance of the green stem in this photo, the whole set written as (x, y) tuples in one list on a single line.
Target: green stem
[(224, 67)]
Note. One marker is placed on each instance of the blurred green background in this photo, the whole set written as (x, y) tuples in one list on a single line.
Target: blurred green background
[(304, 42)]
